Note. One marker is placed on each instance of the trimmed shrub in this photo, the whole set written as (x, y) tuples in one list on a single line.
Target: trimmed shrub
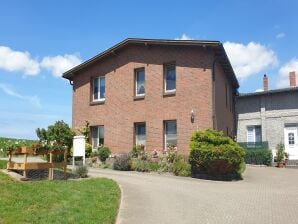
[(215, 156), (258, 157), (122, 162), (181, 167), (104, 153)]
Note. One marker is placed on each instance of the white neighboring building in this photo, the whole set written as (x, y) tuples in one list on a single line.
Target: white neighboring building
[(270, 116)]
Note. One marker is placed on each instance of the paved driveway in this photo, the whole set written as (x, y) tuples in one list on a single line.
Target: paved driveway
[(266, 195)]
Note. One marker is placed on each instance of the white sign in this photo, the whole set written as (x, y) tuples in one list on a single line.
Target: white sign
[(79, 146)]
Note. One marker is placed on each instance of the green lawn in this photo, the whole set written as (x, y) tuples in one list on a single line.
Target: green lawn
[(3, 164), (86, 201)]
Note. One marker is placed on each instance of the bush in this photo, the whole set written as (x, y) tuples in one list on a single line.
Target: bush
[(81, 171), (135, 152), (88, 150), (122, 162), (181, 167), (104, 153), (258, 157), (154, 167), (215, 156), (140, 165)]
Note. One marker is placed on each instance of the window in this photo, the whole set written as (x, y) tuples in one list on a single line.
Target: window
[(140, 82), (170, 78), (99, 87), (170, 130), (97, 134), (254, 134), (140, 134), (291, 138)]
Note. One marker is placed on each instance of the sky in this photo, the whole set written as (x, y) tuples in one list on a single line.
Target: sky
[(39, 40)]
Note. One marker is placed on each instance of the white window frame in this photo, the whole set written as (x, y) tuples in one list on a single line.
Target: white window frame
[(136, 134), (165, 133), (136, 82), (97, 127), (254, 133), (98, 92), (165, 78)]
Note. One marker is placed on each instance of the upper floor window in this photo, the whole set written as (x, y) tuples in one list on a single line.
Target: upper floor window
[(254, 134), (99, 88), (170, 78), (140, 82)]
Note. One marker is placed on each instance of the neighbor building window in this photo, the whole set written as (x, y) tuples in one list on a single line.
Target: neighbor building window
[(170, 78), (291, 138), (140, 134), (140, 82), (99, 88), (170, 130), (254, 134), (97, 134)]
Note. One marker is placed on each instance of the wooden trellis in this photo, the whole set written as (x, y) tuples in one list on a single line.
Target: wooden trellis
[(25, 165)]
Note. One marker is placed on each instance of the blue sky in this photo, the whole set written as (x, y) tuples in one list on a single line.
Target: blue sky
[(41, 39)]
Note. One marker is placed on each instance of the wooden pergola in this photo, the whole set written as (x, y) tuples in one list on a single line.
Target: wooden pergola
[(25, 165)]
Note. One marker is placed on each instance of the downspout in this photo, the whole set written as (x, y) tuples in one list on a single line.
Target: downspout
[(214, 119)]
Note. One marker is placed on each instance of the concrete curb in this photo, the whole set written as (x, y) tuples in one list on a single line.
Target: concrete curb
[(118, 218)]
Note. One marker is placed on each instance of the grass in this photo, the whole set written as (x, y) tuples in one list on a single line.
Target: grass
[(3, 164), (86, 201)]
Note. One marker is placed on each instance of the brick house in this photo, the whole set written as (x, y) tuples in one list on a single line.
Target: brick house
[(154, 92), (269, 117)]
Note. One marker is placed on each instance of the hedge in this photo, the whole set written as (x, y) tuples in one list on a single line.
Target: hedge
[(258, 157)]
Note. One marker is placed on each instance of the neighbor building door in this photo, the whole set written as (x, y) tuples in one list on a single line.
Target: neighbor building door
[(291, 143)]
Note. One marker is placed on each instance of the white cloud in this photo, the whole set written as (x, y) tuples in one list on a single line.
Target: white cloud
[(259, 90), (34, 100), (283, 79), (18, 61), (184, 37), (250, 59), (280, 35), (59, 64)]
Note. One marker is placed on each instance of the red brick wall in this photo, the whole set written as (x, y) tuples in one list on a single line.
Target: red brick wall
[(120, 111), (225, 116)]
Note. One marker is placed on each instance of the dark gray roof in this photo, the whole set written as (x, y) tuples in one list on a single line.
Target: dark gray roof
[(269, 92), (223, 58)]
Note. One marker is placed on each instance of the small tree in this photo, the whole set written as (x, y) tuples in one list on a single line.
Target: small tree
[(60, 132)]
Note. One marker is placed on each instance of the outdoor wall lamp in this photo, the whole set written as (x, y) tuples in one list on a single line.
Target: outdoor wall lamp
[(192, 116)]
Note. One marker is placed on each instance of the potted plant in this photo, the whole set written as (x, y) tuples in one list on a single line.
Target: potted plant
[(286, 157), (280, 155)]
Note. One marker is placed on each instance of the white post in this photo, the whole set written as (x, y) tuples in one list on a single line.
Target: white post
[(79, 148)]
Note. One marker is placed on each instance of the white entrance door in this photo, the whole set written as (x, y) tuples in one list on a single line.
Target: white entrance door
[(291, 141)]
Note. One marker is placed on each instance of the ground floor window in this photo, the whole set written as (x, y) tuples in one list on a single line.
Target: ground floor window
[(97, 134), (254, 134), (140, 134), (170, 133)]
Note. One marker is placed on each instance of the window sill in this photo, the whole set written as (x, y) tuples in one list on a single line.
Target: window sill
[(168, 94), (139, 97), (96, 102)]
